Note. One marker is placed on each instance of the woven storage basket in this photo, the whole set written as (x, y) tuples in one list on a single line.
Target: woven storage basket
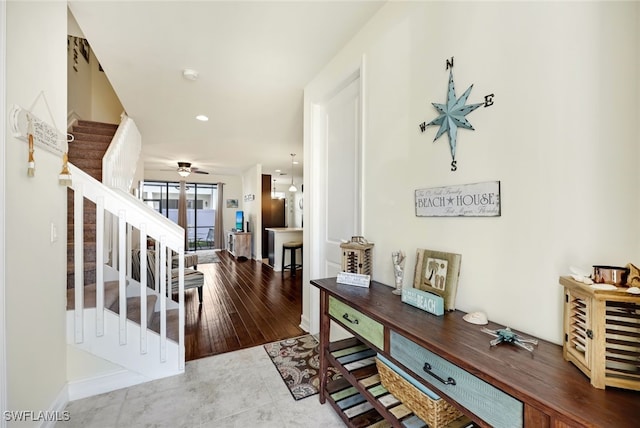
[(436, 413)]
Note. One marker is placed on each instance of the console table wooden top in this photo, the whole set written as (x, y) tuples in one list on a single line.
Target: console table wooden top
[(543, 380)]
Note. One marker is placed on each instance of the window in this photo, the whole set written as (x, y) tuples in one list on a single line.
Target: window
[(202, 198)]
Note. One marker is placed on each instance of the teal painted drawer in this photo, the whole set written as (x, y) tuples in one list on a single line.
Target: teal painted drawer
[(361, 324), (489, 403)]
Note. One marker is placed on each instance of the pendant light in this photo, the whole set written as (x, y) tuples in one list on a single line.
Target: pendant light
[(292, 188)]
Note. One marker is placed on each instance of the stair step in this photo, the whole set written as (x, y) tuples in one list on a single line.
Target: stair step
[(89, 251), (172, 324), (94, 130), (133, 308), (84, 140), (110, 295), (92, 124), (86, 153), (89, 278)]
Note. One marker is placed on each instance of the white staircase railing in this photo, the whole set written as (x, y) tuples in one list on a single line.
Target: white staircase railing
[(133, 221), (120, 160)]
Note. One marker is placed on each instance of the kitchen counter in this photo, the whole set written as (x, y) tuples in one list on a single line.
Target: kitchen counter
[(277, 237)]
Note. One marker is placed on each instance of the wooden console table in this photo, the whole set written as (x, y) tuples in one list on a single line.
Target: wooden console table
[(501, 386)]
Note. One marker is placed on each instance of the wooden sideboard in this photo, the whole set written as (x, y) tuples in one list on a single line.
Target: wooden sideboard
[(496, 386), (239, 244)]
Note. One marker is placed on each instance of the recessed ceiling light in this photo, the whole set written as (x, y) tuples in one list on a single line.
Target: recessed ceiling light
[(202, 118), (296, 162), (278, 170), (190, 74)]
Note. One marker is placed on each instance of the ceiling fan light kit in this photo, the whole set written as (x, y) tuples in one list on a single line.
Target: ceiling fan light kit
[(184, 169)]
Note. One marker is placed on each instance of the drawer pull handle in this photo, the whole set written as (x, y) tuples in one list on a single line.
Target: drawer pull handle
[(449, 381), (352, 321)]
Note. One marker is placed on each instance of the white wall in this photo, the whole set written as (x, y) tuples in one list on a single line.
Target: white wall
[(90, 94), (78, 79), (562, 138), (252, 185), (232, 188), (105, 105), (35, 267)]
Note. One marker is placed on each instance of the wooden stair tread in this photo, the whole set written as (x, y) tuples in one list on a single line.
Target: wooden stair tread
[(133, 308), (172, 324), (95, 124), (110, 295)]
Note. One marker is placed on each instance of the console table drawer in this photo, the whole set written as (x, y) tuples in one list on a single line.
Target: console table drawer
[(489, 403), (361, 324)]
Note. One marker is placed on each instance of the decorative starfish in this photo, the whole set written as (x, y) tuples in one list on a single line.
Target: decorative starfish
[(452, 115)]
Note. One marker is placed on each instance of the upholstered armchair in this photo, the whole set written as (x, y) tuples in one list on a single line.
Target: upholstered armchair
[(193, 278)]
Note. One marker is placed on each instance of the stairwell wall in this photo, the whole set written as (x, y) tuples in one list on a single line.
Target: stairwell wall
[(90, 94), (35, 266)]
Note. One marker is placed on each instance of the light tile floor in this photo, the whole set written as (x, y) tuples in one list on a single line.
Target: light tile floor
[(237, 389)]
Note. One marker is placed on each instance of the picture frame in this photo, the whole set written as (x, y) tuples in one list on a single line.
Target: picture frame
[(437, 272), (232, 203), (84, 49)]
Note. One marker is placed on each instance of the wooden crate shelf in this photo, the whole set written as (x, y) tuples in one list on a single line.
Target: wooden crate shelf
[(602, 334)]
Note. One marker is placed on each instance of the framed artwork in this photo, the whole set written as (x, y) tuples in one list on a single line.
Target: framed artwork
[(232, 203), (437, 272), (84, 49)]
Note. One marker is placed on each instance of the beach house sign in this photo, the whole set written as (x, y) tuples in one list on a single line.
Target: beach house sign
[(466, 200)]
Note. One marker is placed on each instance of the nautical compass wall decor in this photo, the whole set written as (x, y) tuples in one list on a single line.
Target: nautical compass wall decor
[(452, 115)]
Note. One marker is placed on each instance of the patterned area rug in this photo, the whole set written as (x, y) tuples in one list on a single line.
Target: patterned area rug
[(298, 362), (208, 256)]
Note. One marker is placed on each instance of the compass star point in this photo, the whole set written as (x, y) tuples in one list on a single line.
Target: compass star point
[(452, 114)]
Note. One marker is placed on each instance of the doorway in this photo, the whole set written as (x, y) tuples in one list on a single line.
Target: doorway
[(336, 209)]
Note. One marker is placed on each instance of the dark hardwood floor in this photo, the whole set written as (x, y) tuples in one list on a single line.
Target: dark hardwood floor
[(244, 304)]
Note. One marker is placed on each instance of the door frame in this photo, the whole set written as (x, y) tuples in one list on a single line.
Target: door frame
[(3, 137), (314, 158)]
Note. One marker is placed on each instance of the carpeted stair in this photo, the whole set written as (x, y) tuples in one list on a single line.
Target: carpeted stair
[(111, 302), (91, 141)]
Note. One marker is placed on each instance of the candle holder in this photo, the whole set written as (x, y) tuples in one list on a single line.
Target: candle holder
[(398, 258)]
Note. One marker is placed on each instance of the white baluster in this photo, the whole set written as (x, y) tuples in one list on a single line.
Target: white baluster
[(78, 259), (143, 288), (100, 266), (163, 299), (122, 280)]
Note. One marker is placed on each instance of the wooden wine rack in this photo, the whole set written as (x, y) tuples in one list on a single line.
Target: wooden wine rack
[(602, 334)]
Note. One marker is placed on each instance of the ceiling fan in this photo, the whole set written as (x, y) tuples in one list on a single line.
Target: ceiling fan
[(185, 168)]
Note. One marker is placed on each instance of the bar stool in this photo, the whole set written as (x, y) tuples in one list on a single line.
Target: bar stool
[(292, 246)]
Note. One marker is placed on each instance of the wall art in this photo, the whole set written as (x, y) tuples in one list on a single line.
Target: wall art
[(465, 200), (452, 114), (437, 272)]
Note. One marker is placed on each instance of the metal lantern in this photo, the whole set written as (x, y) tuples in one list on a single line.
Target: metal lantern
[(357, 256)]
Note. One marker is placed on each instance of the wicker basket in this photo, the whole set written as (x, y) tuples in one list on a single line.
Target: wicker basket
[(436, 413)]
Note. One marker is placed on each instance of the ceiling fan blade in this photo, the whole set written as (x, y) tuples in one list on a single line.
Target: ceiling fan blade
[(199, 171)]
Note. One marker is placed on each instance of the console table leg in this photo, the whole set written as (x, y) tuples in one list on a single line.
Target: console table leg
[(325, 325)]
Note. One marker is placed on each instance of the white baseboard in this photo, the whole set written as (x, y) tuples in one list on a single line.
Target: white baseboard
[(104, 383), (57, 407), (304, 323)]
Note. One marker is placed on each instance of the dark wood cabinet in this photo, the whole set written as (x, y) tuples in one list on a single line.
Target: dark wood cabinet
[(273, 213), (497, 386)]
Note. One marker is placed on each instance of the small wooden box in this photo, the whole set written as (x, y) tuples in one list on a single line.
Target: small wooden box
[(357, 255), (602, 334)]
